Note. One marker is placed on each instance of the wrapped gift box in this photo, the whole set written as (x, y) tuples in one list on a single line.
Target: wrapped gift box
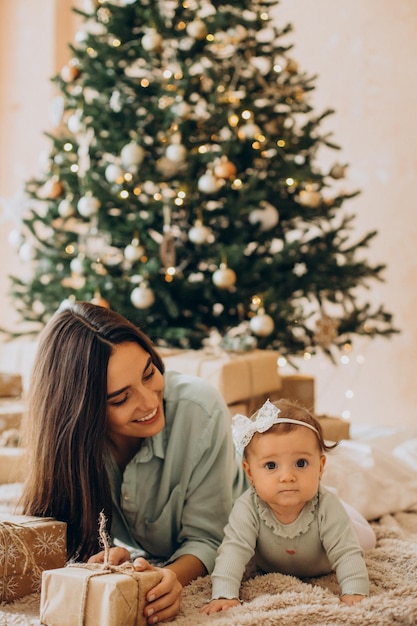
[(240, 377), (11, 385), (28, 545), (12, 465), (11, 412), (334, 428), (95, 595)]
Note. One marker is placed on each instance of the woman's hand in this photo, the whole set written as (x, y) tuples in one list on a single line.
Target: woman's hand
[(117, 556), (163, 600), (351, 599), (220, 604)]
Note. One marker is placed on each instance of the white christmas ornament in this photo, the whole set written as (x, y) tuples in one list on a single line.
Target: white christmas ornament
[(65, 208), (74, 122), (197, 29), (142, 297), (267, 217), (248, 131), (15, 238), (262, 324), (113, 173), (199, 233), (77, 266), (152, 40), (224, 277), (88, 205), (27, 252), (133, 252), (176, 152), (208, 183), (132, 155)]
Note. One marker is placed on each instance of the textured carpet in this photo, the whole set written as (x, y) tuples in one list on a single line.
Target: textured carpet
[(278, 600)]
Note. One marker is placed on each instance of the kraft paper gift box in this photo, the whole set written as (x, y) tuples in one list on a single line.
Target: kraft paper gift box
[(239, 377), (11, 412), (95, 595), (28, 545), (12, 465), (10, 385), (334, 428)]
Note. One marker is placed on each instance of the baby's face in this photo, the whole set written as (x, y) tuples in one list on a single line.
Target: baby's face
[(285, 469)]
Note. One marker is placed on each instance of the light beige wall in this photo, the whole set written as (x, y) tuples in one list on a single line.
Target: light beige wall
[(33, 47), (364, 54)]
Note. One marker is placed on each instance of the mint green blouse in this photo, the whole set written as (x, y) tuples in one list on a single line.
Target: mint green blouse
[(175, 495)]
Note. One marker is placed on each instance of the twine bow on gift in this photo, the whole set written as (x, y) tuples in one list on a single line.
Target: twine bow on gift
[(100, 569)]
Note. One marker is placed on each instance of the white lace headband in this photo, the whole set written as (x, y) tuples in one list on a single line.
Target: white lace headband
[(243, 428)]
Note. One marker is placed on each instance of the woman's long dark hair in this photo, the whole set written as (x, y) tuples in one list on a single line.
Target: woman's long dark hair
[(65, 429)]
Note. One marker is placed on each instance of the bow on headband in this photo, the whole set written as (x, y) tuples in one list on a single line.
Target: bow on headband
[(243, 428)]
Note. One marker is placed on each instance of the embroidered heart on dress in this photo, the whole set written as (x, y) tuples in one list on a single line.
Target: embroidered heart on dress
[(290, 552)]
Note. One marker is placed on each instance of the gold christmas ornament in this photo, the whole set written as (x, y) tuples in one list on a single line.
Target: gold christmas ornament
[(70, 71), (98, 300), (225, 169), (224, 277), (53, 188)]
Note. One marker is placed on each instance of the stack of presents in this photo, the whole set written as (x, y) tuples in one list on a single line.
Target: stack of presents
[(33, 550)]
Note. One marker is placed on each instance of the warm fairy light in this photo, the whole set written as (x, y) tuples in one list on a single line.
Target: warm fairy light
[(74, 168), (182, 194), (68, 147), (157, 196), (345, 360), (277, 68), (69, 249), (137, 191), (181, 25), (128, 177), (307, 356), (264, 16), (91, 52), (116, 43), (282, 361), (171, 271), (289, 182), (256, 301), (210, 37), (281, 143), (233, 120), (237, 183), (202, 149), (246, 115), (144, 82), (124, 194), (178, 201)]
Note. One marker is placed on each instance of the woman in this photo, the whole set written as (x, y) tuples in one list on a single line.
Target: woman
[(109, 430)]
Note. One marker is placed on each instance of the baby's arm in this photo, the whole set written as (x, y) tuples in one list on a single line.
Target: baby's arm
[(219, 604)]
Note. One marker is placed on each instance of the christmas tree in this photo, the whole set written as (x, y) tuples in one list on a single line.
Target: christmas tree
[(182, 186)]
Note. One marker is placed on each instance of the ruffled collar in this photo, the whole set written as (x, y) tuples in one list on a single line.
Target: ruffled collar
[(289, 531)]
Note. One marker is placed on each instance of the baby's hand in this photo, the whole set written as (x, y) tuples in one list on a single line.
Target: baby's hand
[(220, 604), (351, 599)]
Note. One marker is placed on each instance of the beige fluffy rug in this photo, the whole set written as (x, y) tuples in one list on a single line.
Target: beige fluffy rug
[(278, 600)]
